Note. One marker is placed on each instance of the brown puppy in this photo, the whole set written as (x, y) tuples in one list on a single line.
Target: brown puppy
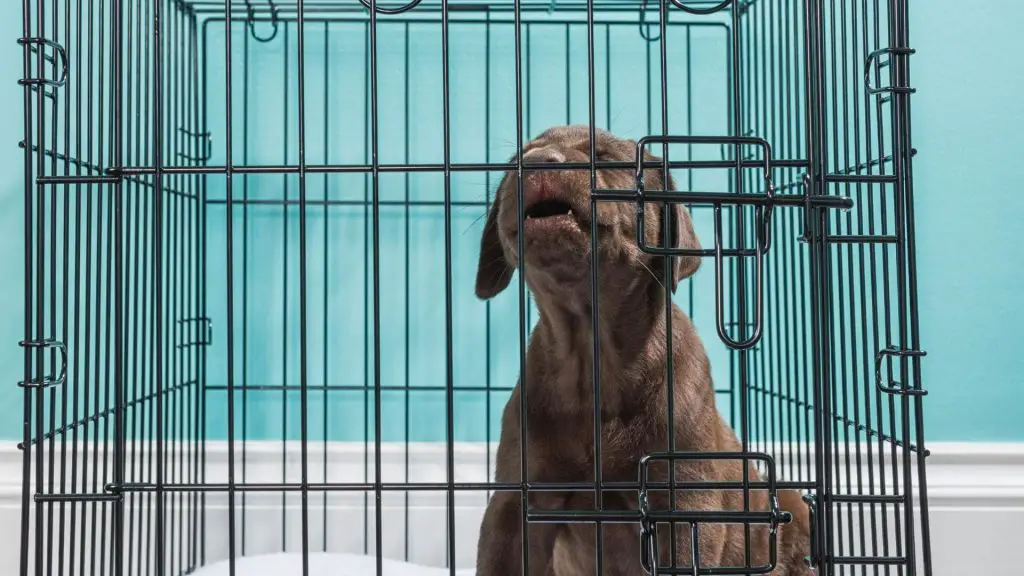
[(634, 406)]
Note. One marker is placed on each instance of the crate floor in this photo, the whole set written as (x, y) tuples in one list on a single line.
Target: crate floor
[(322, 564)]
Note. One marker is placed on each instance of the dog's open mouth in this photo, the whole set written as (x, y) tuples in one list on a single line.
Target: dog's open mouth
[(548, 209), (551, 217)]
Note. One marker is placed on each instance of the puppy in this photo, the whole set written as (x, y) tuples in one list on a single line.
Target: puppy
[(633, 354)]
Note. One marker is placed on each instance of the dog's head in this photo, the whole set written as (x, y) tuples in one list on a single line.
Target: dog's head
[(557, 224)]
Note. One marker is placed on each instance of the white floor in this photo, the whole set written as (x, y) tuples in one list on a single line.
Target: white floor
[(323, 564), (976, 503)]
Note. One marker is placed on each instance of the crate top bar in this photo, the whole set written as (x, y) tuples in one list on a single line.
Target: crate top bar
[(265, 8)]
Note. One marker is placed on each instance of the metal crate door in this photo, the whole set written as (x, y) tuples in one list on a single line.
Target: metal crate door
[(867, 353), (114, 329)]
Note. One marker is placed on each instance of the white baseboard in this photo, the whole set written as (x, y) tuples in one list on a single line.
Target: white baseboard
[(976, 503)]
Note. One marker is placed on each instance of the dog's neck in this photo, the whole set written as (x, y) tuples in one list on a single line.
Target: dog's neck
[(624, 319), (631, 342)]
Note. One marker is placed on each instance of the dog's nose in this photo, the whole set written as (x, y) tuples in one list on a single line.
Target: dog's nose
[(544, 154)]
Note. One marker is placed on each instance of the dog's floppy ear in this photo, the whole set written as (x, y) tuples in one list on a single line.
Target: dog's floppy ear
[(685, 237), (680, 233), (493, 271)]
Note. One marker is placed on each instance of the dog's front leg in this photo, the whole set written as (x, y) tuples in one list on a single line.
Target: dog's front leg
[(500, 550)]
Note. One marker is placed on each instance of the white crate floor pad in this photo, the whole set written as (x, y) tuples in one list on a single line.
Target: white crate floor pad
[(322, 564)]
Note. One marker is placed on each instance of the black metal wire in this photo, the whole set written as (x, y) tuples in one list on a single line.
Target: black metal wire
[(229, 281), (524, 434), (595, 300), (693, 9), (303, 333), (668, 266), (375, 192), (125, 174), (247, 75), (448, 307)]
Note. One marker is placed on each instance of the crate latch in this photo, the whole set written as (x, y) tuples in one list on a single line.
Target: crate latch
[(897, 387), (773, 517), (47, 381), (874, 64)]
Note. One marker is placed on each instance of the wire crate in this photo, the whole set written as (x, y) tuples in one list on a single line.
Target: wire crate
[(251, 228)]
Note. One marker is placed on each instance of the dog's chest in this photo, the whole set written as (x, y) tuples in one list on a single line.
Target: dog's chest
[(561, 421), (568, 392), (567, 444)]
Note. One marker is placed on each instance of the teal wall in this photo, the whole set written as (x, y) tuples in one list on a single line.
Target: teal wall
[(966, 124)]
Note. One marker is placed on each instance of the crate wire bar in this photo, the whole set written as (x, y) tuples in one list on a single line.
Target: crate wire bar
[(189, 162)]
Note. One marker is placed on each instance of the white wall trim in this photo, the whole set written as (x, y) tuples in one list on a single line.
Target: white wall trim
[(976, 499)]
